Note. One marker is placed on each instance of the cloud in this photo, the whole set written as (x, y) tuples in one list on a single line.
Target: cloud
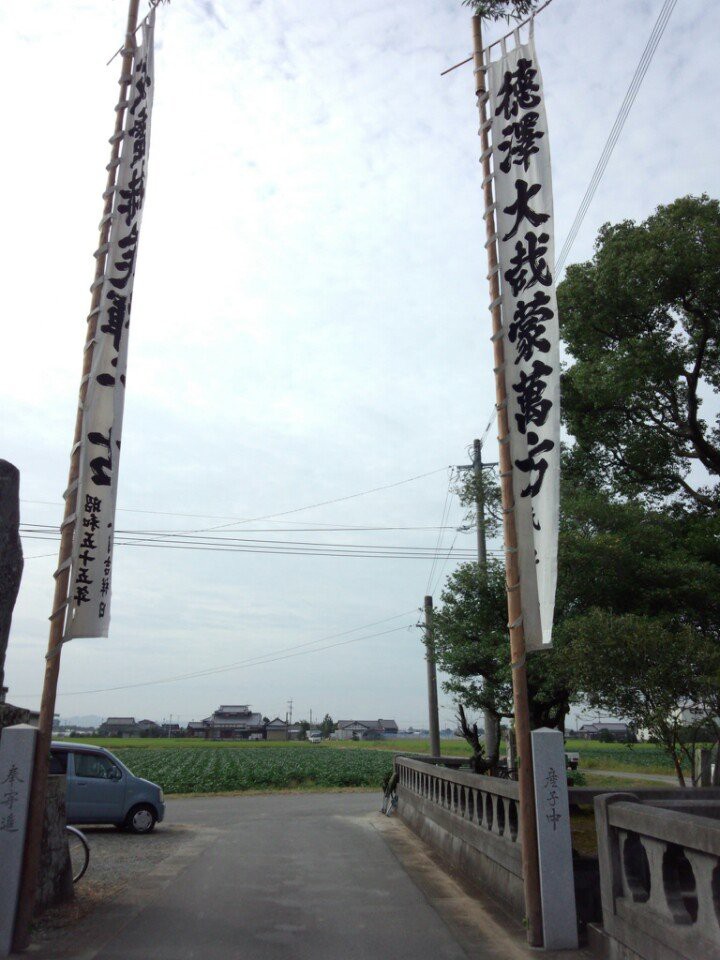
[(310, 314)]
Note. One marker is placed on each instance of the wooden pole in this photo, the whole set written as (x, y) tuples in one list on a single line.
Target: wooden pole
[(434, 722), (36, 812), (528, 828)]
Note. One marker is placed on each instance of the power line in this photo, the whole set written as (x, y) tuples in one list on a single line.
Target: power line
[(252, 661), (442, 569), (269, 516), (491, 420), (324, 503), (318, 526), (284, 551), (250, 545), (443, 520), (614, 135)]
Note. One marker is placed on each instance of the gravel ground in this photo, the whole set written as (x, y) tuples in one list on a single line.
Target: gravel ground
[(117, 861)]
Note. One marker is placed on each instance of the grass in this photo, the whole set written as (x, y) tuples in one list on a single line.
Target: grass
[(584, 835), (624, 783), (630, 757)]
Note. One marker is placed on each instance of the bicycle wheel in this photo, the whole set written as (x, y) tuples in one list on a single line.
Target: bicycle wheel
[(79, 852)]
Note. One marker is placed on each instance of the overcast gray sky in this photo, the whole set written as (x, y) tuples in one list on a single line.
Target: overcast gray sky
[(310, 314)]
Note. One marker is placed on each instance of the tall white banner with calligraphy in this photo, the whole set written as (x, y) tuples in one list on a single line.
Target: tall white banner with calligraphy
[(524, 216), (92, 554)]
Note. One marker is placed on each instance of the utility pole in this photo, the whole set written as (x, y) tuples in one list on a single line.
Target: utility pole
[(480, 502), (490, 721), (434, 722)]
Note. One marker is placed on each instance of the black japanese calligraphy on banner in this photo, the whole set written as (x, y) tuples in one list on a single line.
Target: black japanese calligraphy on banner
[(526, 257), (92, 556)]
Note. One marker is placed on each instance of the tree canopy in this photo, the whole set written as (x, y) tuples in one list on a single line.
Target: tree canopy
[(655, 671), (637, 615), (642, 323), (471, 646), (502, 9), (628, 575)]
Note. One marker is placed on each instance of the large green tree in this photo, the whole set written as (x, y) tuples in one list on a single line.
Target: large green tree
[(656, 671), (472, 647), (625, 571), (638, 614), (641, 321)]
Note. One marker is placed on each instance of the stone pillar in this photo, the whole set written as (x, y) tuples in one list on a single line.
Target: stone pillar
[(17, 752), (557, 879)]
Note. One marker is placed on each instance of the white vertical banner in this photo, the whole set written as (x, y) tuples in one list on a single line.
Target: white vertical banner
[(526, 257), (94, 524)]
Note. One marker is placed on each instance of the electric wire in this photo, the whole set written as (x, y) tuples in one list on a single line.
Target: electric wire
[(445, 561), (614, 135), (233, 521), (273, 657), (225, 542), (443, 520), (282, 551), (324, 503)]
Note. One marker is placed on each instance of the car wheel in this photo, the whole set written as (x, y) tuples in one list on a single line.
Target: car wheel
[(141, 819)]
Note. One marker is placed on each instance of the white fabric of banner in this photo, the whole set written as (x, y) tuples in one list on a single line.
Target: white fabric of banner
[(92, 553), (526, 255)]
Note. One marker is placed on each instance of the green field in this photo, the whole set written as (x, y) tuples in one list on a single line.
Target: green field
[(265, 764), (452, 748), (223, 769), (632, 757)]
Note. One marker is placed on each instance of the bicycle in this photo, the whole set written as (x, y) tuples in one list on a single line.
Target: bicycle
[(79, 852), (390, 797)]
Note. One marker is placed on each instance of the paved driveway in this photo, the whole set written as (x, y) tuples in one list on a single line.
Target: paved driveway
[(274, 877), (305, 876)]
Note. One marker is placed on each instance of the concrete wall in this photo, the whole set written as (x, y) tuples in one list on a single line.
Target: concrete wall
[(471, 821)]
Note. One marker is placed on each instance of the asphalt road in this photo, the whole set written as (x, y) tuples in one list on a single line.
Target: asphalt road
[(277, 877)]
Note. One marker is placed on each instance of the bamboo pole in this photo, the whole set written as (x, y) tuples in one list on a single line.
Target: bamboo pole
[(528, 827), (36, 811)]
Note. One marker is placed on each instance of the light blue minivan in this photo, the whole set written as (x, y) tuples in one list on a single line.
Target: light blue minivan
[(101, 789)]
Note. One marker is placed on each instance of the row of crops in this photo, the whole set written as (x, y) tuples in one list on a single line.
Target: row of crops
[(210, 771)]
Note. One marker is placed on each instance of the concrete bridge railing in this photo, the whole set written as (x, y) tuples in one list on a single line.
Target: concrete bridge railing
[(471, 820), (659, 877)]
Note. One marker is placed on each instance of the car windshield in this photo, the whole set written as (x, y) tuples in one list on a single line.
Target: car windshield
[(115, 760)]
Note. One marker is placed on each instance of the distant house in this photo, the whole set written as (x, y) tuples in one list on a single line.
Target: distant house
[(170, 729), (365, 729), (277, 729), (119, 727), (621, 732), (148, 728), (233, 722)]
